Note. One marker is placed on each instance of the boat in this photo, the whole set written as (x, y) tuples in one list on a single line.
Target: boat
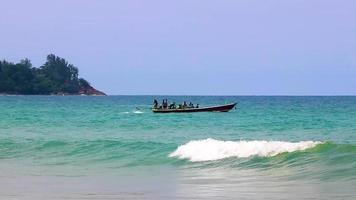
[(219, 108)]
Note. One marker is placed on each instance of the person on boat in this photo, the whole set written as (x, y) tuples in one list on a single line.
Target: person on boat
[(197, 106), (191, 105), (155, 104), (172, 105), (167, 103), (164, 104), (184, 105)]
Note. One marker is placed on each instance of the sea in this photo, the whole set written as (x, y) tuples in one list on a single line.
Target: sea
[(114, 147)]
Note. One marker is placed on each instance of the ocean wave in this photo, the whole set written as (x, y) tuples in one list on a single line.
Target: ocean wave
[(83, 149), (211, 149)]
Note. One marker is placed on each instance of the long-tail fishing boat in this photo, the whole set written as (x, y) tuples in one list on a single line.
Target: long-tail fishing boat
[(219, 108)]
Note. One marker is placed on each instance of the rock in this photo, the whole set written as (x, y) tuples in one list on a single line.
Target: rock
[(90, 91)]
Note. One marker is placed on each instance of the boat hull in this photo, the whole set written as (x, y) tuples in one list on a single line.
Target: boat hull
[(222, 108)]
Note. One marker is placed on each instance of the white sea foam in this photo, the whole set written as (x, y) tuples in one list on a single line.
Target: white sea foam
[(137, 112), (211, 149)]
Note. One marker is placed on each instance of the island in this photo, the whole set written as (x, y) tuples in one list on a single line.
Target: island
[(55, 77)]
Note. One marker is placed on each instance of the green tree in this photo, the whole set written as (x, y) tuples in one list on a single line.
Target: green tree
[(16, 78), (63, 76), (56, 75)]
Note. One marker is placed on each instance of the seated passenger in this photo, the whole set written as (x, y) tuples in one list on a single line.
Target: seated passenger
[(172, 105)]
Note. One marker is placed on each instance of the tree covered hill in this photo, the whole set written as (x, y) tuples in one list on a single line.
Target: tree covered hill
[(56, 76)]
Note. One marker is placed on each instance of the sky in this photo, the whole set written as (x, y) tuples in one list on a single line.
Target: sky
[(191, 47)]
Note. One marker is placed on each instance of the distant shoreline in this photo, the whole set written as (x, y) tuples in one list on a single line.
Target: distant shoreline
[(55, 77), (2, 94)]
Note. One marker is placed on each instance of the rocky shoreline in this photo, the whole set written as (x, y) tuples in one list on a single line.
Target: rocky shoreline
[(89, 91)]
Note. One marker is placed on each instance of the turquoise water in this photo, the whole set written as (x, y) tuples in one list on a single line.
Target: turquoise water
[(79, 147)]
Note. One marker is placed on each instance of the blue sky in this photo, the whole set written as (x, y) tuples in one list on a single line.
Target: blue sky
[(236, 47)]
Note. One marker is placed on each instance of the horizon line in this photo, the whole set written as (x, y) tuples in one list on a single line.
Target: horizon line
[(296, 95)]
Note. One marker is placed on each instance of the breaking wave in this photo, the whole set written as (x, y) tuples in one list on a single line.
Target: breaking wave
[(211, 149)]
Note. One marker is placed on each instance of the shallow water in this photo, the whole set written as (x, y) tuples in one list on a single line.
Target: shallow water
[(78, 147)]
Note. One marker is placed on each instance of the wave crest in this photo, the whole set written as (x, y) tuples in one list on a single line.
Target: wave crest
[(211, 149)]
